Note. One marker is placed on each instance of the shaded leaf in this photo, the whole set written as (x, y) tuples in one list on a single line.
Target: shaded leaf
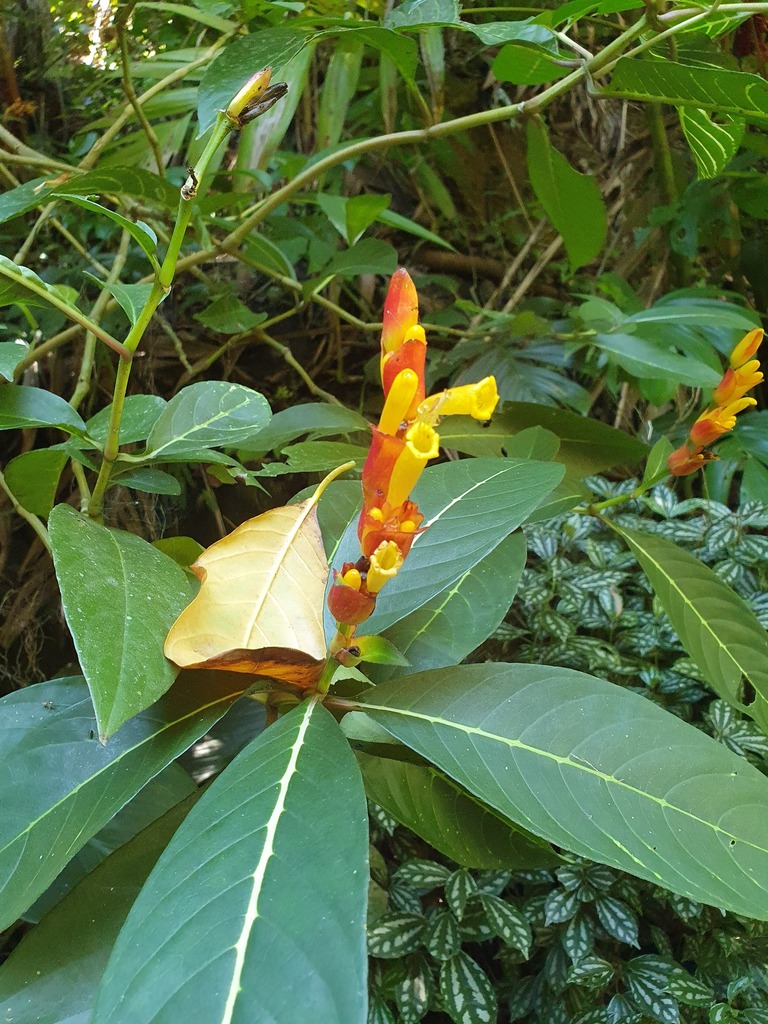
[(449, 818), (22, 407), (261, 887), (572, 201), (33, 478), (713, 145), (120, 596), (11, 355), (48, 978), (61, 786), (596, 769)]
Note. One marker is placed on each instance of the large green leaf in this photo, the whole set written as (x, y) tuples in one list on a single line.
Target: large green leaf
[(24, 287), (52, 976), (572, 201), (595, 769), (469, 508), (727, 93), (60, 786), (450, 626), (311, 418), (121, 596), (717, 628), (448, 818), (258, 904), (11, 355), (208, 414), (225, 76), (22, 407)]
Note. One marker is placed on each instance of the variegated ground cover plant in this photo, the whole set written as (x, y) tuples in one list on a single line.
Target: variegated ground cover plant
[(151, 898)]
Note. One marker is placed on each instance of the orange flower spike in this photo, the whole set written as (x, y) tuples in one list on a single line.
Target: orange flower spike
[(746, 348), (421, 444), (384, 452), (412, 355), (736, 383), (401, 311), (715, 422), (685, 460), (475, 400), (399, 401)]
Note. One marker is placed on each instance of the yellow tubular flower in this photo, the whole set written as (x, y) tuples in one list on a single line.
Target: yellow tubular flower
[(736, 383), (715, 422), (398, 401), (746, 348), (422, 443), (352, 578), (385, 565), (475, 400)]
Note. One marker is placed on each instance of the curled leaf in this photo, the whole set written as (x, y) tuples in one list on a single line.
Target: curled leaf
[(260, 605)]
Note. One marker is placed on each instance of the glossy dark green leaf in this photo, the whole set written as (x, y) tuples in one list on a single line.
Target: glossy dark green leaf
[(52, 976), (450, 626), (415, 14), (571, 200), (132, 298), (717, 628), (120, 596), (643, 358), (315, 457), (228, 315), (33, 478), (150, 481), (11, 355), (595, 769), (242, 58), (22, 407), (368, 256), (449, 818), (60, 786), (21, 199), (208, 414), (273, 860)]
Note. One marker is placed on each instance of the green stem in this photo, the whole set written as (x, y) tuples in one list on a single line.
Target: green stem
[(160, 288), (620, 499), (325, 680)]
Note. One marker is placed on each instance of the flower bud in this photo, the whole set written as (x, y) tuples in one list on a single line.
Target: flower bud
[(348, 605), (746, 348), (250, 93)]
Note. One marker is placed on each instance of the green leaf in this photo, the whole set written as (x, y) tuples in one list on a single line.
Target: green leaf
[(149, 481), (459, 889), (472, 438), (225, 76), (572, 201), (450, 626), (140, 232), (351, 217), (526, 30), (208, 414), (368, 256), (586, 445), (140, 412), (713, 145), (21, 199), (727, 93), (523, 65), (656, 464), (646, 978), (396, 220), (132, 298), (417, 13), (11, 355), (467, 994), (509, 923), (262, 888), (130, 181), (22, 407), (310, 418), (193, 13), (315, 457), (595, 769), (443, 936), (120, 596), (33, 478), (229, 315), (717, 628), (60, 786), (470, 507), (22, 286), (339, 87), (51, 979), (448, 818), (642, 358)]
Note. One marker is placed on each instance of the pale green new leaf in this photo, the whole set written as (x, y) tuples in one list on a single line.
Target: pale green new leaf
[(274, 865), (595, 769)]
